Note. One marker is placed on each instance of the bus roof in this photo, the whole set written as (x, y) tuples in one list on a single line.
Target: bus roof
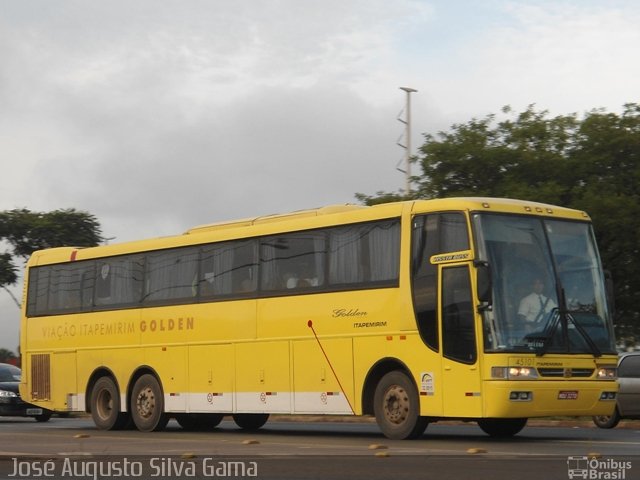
[(301, 220), (328, 210)]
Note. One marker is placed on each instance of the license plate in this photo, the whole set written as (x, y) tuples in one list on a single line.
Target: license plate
[(34, 411), (568, 395)]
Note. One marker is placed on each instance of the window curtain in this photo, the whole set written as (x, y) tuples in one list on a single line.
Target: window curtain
[(170, 275), (345, 256), (384, 251)]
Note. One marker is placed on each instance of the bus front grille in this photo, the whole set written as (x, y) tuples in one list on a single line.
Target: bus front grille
[(566, 372), (40, 377)]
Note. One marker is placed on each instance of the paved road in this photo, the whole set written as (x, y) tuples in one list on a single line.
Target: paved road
[(332, 450)]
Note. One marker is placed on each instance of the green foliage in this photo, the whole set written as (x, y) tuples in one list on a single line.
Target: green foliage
[(7, 356), (8, 274), (25, 232), (590, 163)]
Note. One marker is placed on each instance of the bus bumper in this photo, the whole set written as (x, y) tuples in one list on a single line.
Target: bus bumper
[(523, 399)]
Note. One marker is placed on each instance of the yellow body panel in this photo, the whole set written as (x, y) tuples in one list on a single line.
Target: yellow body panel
[(211, 378), (263, 377)]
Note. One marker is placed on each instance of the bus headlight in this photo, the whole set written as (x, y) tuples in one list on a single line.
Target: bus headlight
[(607, 373), (514, 373)]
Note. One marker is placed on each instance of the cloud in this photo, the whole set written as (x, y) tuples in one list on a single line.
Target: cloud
[(564, 56), (159, 115)]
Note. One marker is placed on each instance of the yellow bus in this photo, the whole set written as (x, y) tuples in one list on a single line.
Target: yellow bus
[(412, 312)]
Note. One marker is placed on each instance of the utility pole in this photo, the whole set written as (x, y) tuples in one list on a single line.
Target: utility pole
[(407, 138)]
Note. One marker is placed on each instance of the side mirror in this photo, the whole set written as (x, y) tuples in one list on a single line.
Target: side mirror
[(483, 283)]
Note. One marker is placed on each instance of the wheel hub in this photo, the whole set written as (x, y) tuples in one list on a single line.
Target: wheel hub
[(104, 404), (396, 404), (146, 402)]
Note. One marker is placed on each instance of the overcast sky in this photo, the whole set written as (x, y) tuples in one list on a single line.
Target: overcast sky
[(159, 115)]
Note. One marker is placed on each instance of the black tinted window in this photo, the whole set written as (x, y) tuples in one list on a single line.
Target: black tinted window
[(119, 281), (629, 367), (228, 269), (171, 275), (293, 261)]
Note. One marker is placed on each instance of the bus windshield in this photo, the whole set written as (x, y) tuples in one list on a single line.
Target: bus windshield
[(548, 286)]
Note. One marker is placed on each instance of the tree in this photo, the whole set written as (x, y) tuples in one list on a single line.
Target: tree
[(7, 356), (24, 232), (590, 163)]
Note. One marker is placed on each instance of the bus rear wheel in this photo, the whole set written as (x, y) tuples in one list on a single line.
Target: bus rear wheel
[(199, 421), (250, 421), (502, 427), (105, 405), (44, 416), (147, 405), (396, 405)]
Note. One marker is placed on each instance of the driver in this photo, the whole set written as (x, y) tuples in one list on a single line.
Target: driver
[(534, 307)]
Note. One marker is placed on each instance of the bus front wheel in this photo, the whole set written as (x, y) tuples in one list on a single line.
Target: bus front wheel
[(147, 405), (105, 405), (397, 407), (250, 421), (502, 427)]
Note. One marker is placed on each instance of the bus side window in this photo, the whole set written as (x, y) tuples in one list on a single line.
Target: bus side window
[(61, 288), (87, 280), (293, 261), (38, 288), (119, 281), (103, 283), (433, 234), (425, 278), (365, 254), (458, 332), (228, 269), (171, 275)]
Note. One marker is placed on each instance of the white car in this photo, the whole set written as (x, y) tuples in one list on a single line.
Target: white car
[(628, 402)]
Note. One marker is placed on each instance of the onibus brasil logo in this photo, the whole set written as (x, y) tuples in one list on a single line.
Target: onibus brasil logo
[(597, 468)]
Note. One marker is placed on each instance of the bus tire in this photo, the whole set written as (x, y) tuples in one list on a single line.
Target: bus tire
[(502, 427), (396, 405), (607, 421), (199, 421), (44, 416), (105, 405), (147, 405), (250, 421)]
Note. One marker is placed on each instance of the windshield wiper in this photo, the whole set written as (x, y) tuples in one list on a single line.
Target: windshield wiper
[(550, 330), (592, 345)]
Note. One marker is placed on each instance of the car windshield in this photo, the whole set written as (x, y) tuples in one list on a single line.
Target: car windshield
[(9, 373), (548, 287)]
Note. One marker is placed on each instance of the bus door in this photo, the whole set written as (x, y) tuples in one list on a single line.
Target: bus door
[(460, 369)]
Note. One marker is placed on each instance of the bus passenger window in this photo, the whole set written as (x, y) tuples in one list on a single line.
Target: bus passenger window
[(65, 287), (119, 281), (228, 269), (38, 288), (171, 275), (293, 261), (364, 254)]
